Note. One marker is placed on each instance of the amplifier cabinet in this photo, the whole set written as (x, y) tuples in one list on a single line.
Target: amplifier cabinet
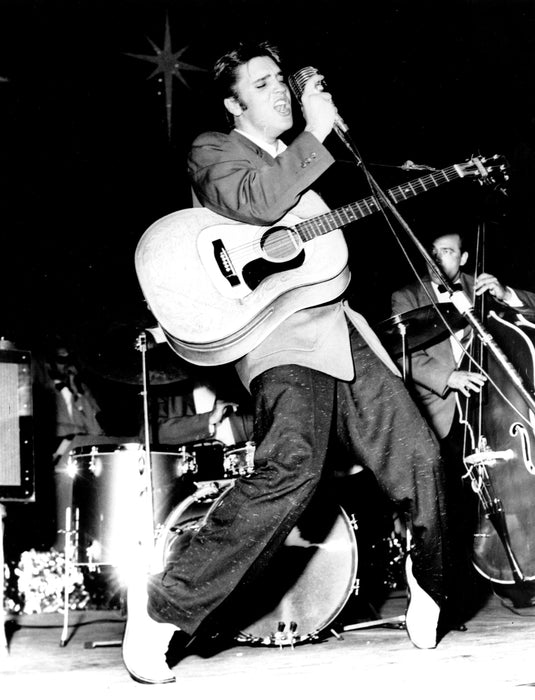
[(17, 476)]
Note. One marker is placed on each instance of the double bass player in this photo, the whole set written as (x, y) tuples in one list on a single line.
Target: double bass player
[(442, 381)]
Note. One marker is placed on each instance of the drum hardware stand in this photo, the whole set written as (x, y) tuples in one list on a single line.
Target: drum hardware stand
[(69, 566), (4, 648), (146, 469), (71, 545), (397, 620)]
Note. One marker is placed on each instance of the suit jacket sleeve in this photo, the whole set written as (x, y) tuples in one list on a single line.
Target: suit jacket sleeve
[(236, 178), (181, 429), (527, 298), (431, 367)]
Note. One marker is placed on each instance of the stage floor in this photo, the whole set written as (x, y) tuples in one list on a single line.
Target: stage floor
[(494, 657)]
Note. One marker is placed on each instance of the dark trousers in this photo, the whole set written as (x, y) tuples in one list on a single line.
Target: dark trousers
[(297, 412)]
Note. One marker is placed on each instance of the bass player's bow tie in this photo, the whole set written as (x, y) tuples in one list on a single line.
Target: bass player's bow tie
[(457, 287)]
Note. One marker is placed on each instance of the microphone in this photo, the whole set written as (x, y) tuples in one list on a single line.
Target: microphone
[(297, 82)]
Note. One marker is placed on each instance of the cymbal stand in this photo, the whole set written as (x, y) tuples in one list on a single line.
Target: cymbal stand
[(141, 345), (146, 494), (3, 639), (346, 138), (402, 328)]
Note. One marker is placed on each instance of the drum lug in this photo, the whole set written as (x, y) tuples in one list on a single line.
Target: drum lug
[(354, 522), (356, 587)]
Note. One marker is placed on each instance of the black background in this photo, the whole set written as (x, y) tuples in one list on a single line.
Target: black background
[(87, 163)]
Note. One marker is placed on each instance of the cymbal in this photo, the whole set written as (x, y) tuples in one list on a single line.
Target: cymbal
[(423, 326), (113, 354)]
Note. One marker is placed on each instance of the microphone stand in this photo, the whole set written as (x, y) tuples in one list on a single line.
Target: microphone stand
[(459, 299), (464, 305)]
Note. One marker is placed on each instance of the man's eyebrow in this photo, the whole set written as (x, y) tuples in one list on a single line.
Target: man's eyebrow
[(262, 78)]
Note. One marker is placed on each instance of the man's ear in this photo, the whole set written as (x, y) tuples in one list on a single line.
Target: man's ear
[(233, 105), (464, 258)]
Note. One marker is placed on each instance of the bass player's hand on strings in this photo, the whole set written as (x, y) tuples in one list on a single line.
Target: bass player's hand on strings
[(466, 382)]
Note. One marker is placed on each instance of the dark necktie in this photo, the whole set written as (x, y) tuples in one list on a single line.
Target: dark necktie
[(457, 287)]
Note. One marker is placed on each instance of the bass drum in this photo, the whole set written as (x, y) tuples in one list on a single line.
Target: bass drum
[(308, 582)]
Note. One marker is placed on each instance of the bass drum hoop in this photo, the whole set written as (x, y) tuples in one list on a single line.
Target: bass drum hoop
[(316, 598)]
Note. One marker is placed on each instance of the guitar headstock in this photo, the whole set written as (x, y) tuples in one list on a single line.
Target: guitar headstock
[(489, 171)]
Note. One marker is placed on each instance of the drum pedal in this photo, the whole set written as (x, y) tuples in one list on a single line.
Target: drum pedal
[(106, 643)]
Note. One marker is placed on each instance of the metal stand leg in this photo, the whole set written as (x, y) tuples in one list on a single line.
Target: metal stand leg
[(146, 493), (4, 649), (69, 564), (397, 620)]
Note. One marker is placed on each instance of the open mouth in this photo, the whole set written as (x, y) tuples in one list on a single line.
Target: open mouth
[(283, 108)]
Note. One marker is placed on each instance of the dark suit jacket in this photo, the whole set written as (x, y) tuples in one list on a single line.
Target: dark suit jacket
[(431, 367)]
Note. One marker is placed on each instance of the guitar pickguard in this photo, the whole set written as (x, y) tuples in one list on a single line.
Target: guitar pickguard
[(258, 270)]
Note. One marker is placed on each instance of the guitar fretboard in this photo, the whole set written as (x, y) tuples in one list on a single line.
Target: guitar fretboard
[(337, 218)]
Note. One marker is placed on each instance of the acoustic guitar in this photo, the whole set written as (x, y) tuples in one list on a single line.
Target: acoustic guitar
[(218, 287)]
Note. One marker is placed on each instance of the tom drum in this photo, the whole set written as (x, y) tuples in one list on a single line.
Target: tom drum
[(105, 496)]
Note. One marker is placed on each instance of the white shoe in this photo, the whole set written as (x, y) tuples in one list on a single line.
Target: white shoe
[(145, 641), (421, 619)]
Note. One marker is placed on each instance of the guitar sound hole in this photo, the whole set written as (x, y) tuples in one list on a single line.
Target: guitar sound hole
[(281, 244)]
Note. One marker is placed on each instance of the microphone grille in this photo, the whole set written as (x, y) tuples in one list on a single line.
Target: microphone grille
[(298, 80)]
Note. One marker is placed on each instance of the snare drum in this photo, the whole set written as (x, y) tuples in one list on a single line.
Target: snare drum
[(105, 496), (306, 585)]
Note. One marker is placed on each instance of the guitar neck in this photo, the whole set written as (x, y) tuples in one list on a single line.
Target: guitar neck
[(337, 218)]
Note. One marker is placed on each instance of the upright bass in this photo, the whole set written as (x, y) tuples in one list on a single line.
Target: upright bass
[(499, 441)]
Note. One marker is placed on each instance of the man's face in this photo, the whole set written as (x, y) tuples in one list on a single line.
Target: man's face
[(446, 252), (264, 106)]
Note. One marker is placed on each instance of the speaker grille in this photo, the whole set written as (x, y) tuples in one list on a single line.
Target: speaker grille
[(16, 429)]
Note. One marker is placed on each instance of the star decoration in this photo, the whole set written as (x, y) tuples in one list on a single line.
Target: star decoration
[(168, 66)]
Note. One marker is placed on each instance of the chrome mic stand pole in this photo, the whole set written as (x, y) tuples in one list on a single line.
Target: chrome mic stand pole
[(145, 462), (4, 649)]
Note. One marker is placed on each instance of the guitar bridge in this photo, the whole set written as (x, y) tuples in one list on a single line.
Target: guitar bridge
[(224, 263)]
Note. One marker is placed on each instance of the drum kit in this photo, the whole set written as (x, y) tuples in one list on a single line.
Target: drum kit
[(315, 572), (311, 579), (104, 490), (100, 483)]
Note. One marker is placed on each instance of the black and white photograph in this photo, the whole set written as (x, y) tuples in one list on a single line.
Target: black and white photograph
[(267, 347)]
